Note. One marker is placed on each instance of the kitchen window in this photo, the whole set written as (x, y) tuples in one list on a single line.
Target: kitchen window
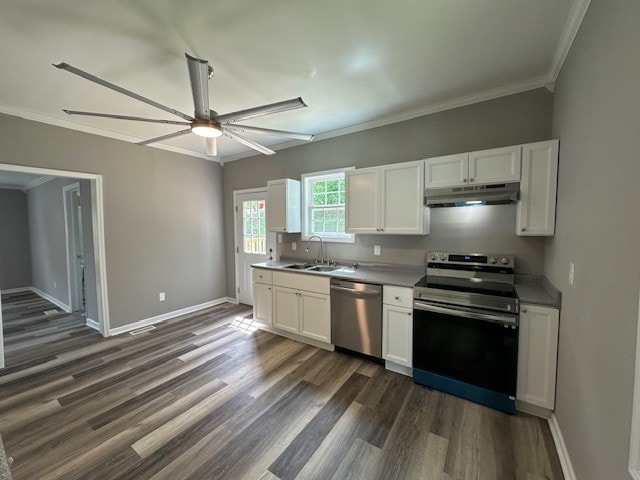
[(323, 202)]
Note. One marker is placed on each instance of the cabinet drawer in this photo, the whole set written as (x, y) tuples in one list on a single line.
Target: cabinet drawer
[(261, 275), (301, 281), (398, 296)]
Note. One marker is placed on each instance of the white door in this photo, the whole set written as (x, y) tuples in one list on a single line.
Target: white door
[(253, 244), (362, 211), (497, 165), (402, 198), (75, 247)]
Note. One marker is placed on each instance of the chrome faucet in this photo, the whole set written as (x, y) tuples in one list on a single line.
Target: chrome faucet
[(321, 252)]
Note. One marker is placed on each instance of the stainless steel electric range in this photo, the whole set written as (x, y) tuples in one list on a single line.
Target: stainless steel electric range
[(465, 327)]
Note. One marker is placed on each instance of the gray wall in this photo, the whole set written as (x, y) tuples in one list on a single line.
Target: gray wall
[(15, 261), (521, 118), (597, 118), (163, 215), (48, 241)]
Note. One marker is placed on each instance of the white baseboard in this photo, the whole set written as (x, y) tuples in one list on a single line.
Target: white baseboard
[(165, 316), (533, 410), (395, 367), (53, 300), (16, 290), (232, 300), (561, 448), (93, 324)]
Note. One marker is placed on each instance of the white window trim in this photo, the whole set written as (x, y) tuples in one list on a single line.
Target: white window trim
[(634, 453), (306, 198)]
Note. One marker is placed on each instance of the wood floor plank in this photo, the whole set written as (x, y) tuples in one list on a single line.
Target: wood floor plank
[(201, 397)]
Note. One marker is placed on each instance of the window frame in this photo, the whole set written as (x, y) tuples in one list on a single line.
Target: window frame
[(307, 199)]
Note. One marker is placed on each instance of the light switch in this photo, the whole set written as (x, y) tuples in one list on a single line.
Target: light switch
[(294, 246), (376, 249), (572, 269), (161, 296)]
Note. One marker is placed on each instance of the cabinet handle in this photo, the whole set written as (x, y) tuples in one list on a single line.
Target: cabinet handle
[(471, 179), (524, 310), (464, 180), (523, 229), (410, 313)]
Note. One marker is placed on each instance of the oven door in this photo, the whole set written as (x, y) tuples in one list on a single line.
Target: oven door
[(467, 352)]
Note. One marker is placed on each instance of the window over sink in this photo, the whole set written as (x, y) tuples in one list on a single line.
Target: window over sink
[(323, 206)]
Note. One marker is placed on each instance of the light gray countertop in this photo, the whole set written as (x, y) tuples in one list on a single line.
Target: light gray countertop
[(399, 275), (5, 471), (537, 290)]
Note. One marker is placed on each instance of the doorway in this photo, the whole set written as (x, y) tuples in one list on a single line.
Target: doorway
[(253, 243), (75, 246)]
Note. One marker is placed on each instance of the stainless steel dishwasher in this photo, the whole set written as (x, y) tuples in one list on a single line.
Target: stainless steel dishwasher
[(356, 317)]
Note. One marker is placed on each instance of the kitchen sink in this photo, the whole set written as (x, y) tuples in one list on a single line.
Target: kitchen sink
[(298, 266), (323, 268)]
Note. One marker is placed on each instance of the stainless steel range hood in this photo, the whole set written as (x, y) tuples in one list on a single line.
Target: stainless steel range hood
[(472, 195)]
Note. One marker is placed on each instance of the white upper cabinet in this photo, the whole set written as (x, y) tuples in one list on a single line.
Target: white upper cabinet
[(447, 171), (536, 210), (387, 199), (498, 165), (538, 355), (362, 210), (283, 206)]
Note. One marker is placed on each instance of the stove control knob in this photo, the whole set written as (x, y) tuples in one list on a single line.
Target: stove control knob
[(443, 256), (492, 260), (504, 261), (434, 256)]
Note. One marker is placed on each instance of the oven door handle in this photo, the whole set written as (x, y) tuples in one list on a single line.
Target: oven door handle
[(489, 317)]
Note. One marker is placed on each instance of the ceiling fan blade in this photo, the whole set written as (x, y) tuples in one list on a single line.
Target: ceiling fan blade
[(212, 146), (124, 91), (268, 131), (277, 107), (125, 117), (248, 143), (199, 77), (164, 137)]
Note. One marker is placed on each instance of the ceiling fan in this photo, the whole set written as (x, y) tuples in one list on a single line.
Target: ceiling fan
[(205, 123)]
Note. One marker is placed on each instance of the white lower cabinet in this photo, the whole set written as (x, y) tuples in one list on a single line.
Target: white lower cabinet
[(397, 325), (538, 355), (262, 303), (303, 312)]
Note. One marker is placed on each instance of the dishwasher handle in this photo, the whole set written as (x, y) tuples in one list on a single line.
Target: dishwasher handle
[(353, 291)]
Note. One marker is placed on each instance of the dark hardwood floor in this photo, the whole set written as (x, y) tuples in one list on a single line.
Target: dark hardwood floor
[(205, 397)]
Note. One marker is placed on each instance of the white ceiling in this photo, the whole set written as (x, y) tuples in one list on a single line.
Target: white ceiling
[(356, 63), (21, 181)]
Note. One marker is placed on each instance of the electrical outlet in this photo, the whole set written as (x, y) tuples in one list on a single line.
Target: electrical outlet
[(294, 246), (161, 296), (279, 238), (376, 249), (572, 269)]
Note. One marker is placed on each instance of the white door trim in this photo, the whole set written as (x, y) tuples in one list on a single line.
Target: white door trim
[(70, 247), (235, 235), (97, 216), (634, 449)]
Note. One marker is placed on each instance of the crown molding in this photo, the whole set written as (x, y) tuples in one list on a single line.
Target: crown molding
[(37, 117), (571, 27), (11, 187), (491, 94)]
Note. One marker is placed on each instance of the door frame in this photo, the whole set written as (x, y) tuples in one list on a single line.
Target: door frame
[(97, 216), (71, 245), (236, 246)]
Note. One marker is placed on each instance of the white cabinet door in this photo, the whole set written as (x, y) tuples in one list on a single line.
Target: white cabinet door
[(286, 311), (536, 210), (402, 193), (498, 165), (447, 171), (283, 205), (315, 315), (538, 355), (362, 211), (262, 303), (397, 334)]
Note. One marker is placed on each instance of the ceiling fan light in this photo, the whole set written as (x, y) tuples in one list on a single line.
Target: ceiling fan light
[(207, 129)]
